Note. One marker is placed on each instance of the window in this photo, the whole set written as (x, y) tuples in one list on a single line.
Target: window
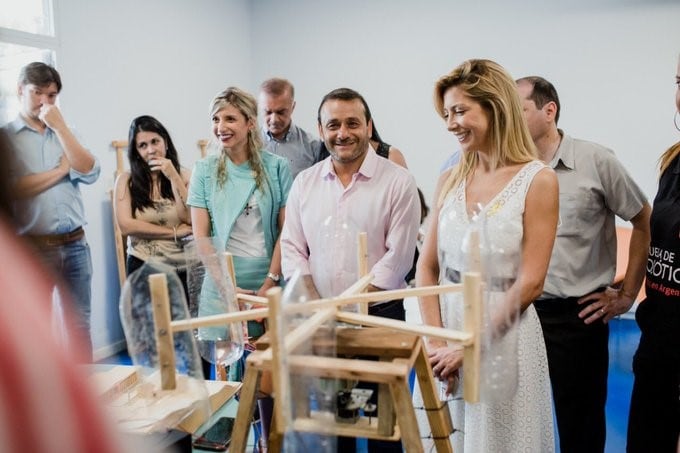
[(27, 34), (29, 16)]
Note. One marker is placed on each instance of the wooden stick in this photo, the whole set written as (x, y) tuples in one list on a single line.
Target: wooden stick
[(120, 249), (229, 258), (309, 326), (160, 303), (322, 423), (362, 264), (475, 256), (358, 287), (257, 313), (332, 367), (253, 299), (437, 411), (282, 409), (232, 274), (302, 332), (406, 414), (202, 145), (443, 333), (119, 146), (218, 320), (472, 322), (375, 296), (246, 406)]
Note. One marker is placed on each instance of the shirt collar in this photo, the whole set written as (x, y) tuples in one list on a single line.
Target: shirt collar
[(19, 124), (565, 152), (291, 130), (367, 169)]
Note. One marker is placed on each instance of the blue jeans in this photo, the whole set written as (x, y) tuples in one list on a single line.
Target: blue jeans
[(73, 264)]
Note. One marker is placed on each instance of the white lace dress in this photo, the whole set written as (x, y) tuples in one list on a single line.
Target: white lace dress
[(522, 422)]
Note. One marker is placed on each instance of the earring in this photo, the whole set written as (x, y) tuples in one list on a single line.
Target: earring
[(675, 120)]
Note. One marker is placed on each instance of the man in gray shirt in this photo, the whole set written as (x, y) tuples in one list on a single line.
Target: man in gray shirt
[(279, 134), (577, 300)]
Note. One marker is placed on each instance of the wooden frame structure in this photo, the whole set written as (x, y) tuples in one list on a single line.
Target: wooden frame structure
[(392, 374)]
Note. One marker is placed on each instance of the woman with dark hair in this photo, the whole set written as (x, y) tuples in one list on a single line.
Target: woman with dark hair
[(150, 200), (386, 150)]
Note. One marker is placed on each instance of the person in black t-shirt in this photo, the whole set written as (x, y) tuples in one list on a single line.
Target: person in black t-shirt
[(654, 420)]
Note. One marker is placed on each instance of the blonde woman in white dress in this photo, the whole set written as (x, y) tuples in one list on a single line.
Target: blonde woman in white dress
[(500, 175)]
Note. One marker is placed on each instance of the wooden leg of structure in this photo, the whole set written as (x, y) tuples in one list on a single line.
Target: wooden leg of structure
[(386, 415), (406, 415), (246, 408), (275, 435), (437, 411)]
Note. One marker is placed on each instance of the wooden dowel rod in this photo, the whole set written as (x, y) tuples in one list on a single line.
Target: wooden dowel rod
[(165, 345), (463, 338), (358, 286), (219, 320), (257, 313), (229, 259), (253, 299), (362, 264), (280, 378), (472, 323), (309, 326), (374, 297)]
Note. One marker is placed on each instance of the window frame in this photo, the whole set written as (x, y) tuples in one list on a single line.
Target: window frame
[(40, 42)]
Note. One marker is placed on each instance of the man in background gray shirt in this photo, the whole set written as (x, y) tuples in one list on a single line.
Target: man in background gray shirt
[(279, 134), (577, 300)]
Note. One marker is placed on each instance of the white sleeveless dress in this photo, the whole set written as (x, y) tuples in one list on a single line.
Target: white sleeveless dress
[(523, 422)]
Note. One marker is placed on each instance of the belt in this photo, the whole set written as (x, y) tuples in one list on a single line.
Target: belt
[(56, 240), (561, 304), (493, 283)]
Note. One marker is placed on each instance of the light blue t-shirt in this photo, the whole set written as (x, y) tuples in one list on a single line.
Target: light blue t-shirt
[(58, 209)]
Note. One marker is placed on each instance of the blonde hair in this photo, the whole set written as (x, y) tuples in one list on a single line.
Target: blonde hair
[(487, 83), (246, 104), (668, 157)]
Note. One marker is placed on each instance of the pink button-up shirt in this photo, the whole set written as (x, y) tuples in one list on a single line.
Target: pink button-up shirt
[(323, 219)]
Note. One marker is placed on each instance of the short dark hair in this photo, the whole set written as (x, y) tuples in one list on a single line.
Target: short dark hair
[(542, 93), (344, 94), (39, 74), (277, 86)]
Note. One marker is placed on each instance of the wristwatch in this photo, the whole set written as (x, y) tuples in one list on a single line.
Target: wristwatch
[(274, 277)]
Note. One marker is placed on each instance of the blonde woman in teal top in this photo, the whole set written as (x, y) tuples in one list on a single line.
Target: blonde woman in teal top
[(239, 195)]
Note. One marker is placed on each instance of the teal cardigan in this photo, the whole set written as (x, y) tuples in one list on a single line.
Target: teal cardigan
[(225, 203)]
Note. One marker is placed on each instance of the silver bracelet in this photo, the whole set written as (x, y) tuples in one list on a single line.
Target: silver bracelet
[(174, 230)]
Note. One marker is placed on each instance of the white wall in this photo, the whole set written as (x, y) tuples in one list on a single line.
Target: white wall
[(612, 61), (125, 58)]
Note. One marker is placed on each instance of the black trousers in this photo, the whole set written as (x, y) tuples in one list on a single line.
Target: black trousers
[(654, 420), (578, 359), (392, 310)]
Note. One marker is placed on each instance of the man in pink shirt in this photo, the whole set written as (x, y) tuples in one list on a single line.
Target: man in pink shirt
[(354, 190)]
